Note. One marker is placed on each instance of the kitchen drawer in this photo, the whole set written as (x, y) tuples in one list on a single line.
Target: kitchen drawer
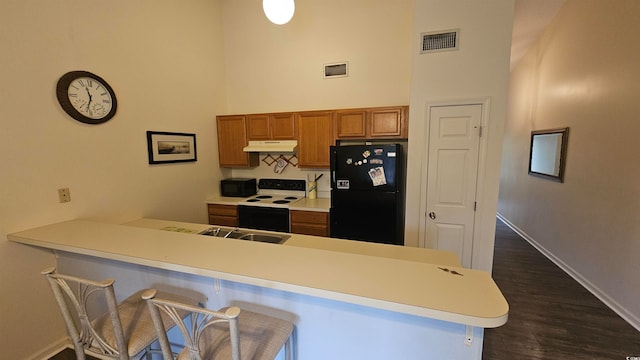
[(224, 210), (312, 217), (223, 220), (310, 222), (310, 229), (226, 215)]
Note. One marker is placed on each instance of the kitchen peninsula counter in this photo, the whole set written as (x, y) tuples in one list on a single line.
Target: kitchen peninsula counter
[(431, 256), (451, 293)]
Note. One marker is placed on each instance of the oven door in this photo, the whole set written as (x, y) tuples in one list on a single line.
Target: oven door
[(263, 218)]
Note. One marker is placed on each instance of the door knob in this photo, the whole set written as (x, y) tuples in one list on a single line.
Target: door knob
[(432, 215)]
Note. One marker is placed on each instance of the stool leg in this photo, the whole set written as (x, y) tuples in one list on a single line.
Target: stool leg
[(288, 351)]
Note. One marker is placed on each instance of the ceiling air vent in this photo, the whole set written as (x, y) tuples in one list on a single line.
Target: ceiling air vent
[(440, 41)]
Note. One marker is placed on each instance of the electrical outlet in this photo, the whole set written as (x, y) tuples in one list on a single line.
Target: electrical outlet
[(64, 195)]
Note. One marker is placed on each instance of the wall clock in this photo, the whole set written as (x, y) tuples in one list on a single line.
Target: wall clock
[(86, 97)]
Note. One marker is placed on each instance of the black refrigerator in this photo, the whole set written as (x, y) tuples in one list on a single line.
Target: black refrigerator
[(367, 197)]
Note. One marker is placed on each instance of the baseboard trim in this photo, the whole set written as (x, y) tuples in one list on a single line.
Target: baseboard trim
[(597, 292), (51, 350)]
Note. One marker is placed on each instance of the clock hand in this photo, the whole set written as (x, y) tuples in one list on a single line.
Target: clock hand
[(89, 103)]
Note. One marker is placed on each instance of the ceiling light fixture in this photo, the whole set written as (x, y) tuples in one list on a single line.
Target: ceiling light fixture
[(279, 11)]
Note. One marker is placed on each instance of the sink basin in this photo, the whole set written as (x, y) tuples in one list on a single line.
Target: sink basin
[(243, 235), (273, 239), (222, 232)]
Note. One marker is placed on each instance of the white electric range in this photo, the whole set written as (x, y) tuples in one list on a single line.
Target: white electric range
[(269, 208)]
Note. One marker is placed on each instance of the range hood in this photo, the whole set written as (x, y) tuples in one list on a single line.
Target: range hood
[(273, 146)]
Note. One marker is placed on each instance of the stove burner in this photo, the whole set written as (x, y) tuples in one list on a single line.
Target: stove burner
[(276, 193)]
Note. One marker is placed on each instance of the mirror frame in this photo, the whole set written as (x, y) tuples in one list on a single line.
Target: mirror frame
[(563, 153)]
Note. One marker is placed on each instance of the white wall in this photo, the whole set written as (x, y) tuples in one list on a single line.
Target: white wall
[(163, 58), (280, 68), (479, 69), (583, 74)]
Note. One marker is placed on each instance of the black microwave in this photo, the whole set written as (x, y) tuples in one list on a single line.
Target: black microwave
[(238, 187)]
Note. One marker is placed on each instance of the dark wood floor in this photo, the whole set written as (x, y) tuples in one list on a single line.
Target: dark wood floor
[(551, 316), (68, 354)]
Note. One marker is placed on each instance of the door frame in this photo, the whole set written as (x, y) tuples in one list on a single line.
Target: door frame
[(485, 102)]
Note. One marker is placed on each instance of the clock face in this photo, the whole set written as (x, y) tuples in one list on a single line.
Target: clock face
[(86, 97), (90, 97)]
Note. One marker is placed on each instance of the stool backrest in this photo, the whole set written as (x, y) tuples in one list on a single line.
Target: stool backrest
[(74, 296), (202, 322)]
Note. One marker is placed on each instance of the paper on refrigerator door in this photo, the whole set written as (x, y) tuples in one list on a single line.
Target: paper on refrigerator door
[(377, 176)]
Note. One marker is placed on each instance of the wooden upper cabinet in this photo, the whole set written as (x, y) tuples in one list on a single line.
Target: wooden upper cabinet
[(371, 123), (232, 138), (258, 127), (315, 135), (271, 127), (351, 124), (283, 126), (389, 122), (314, 130)]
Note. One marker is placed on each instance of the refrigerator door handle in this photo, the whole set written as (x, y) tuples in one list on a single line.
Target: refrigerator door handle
[(332, 169)]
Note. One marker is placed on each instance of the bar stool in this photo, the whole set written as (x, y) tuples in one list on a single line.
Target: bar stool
[(123, 332), (229, 333)]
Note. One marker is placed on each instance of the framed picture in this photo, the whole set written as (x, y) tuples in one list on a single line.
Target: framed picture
[(168, 147), (548, 153)]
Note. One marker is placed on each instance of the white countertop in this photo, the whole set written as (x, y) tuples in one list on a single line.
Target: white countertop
[(305, 204), (226, 200), (431, 256), (405, 286)]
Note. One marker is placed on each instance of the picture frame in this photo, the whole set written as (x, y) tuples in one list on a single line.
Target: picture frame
[(548, 153), (171, 147)]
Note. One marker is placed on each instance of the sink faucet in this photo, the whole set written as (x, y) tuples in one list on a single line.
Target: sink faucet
[(211, 231), (230, 232)]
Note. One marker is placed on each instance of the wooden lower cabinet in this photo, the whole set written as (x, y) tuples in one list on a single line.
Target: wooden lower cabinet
[(310, 222), (226, 215)]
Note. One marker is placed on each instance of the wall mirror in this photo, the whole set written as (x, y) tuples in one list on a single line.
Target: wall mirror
[(548, 153)]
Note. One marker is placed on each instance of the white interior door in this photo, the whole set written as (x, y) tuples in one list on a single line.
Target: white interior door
[(452, 171)]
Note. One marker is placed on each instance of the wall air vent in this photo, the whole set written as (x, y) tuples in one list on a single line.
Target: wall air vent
[(336, 70), (440, 41)]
